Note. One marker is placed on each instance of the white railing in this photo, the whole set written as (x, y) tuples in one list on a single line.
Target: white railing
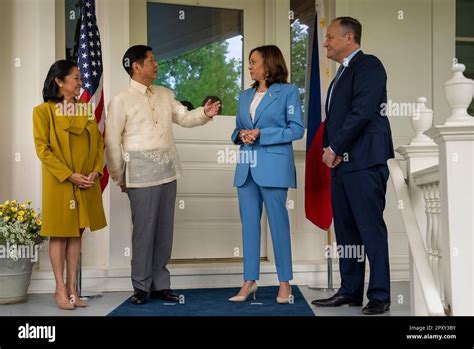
[(428, 181), (422, 266), (437, 205)]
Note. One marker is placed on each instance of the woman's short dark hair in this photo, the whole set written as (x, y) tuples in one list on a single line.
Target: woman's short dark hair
[(59, 70), (275, 66), (134, 54)]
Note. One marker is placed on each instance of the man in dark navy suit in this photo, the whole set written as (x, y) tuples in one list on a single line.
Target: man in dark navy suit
[(357, 144)]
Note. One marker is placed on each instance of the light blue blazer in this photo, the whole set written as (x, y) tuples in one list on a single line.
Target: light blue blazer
[(278, 116)]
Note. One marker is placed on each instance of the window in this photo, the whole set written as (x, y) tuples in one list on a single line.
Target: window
[(465, 39), (198, 58), (72, 16), (302, 24)]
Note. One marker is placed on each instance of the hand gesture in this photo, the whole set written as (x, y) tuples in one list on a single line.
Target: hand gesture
[(211, 109)]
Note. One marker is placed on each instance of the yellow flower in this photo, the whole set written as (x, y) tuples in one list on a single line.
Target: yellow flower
[(1, 213), (21, 213), (38, 222), (6, 219), (13, 202), (33, 214), (23, 206), (14, 209), (20, 219), (6, 203), (28, 202)]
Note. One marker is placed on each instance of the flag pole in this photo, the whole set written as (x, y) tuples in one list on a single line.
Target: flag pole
[(87, 295), (79, 276), (330, 286)]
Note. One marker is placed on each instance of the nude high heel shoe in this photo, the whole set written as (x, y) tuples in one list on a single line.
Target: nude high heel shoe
[(63, 303), (78, 302), (284, 300), (253, 290)]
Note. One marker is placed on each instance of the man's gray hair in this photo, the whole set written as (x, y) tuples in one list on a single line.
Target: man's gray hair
[(352, 25)]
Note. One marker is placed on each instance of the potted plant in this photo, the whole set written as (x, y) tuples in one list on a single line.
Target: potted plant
[(20, 226)]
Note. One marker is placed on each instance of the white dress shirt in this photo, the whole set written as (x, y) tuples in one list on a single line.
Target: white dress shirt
[(139, 142)]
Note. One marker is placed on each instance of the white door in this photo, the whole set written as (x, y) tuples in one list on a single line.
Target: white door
[(207, 222)]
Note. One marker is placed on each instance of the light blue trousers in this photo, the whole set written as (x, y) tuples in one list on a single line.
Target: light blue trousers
[(251, 197)]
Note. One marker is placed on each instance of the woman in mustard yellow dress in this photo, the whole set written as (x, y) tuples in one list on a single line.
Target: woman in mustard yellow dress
[(71, 149)]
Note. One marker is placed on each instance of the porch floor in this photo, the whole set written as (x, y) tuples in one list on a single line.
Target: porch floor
[(44, 304)]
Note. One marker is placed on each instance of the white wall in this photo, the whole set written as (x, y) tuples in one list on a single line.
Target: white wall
[(20, 91)]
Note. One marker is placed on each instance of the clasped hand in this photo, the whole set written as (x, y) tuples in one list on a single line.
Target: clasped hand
[(249, 136), (330, 158), (83, 182)]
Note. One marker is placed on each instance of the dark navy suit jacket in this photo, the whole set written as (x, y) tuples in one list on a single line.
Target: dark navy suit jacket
[(355, 123)]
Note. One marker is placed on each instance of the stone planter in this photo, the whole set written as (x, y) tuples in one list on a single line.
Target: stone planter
[(14, 279)]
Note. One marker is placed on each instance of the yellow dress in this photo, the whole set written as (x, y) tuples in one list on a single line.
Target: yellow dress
[(67, 145)]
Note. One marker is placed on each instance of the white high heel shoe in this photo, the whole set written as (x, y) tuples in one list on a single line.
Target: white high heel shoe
[(253, 290)]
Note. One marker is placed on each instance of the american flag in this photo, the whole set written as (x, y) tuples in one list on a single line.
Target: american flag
[(90, 66)]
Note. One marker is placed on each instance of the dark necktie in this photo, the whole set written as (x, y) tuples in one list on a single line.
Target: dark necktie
[(338, 75)]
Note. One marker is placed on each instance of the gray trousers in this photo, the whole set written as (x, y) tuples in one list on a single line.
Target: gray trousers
[(152, 239)]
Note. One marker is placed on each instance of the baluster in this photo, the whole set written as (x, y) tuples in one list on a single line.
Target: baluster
[(429, 222), (434, 233), (438, 242)]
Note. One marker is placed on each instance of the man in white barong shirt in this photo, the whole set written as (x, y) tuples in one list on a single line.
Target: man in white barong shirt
[(142, 159)]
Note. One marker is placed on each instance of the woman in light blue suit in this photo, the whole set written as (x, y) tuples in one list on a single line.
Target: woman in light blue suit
[(268, 121)]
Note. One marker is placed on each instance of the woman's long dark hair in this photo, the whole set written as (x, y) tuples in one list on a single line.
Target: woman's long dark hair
[(60, 70)]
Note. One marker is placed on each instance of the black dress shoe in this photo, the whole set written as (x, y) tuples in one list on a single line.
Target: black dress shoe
[(166, 295), (139, 296), (336, 301), (375, 307)]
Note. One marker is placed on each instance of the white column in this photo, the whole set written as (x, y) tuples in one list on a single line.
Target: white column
[(457, 201), (456, 165), (113, 19)]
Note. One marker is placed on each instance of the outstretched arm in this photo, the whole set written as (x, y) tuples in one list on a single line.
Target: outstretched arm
[(196, 117)]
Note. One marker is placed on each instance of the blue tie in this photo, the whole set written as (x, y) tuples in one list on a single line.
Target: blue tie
[(338, 75)]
